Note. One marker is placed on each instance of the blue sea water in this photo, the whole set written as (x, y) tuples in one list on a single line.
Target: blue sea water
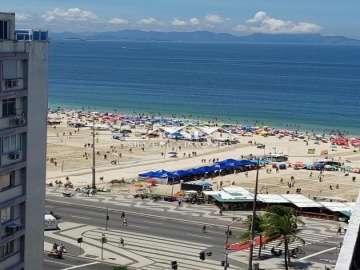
[(310, 87)]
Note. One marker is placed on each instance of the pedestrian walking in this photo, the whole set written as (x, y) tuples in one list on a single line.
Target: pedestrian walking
[(125, 223), (122, 242)]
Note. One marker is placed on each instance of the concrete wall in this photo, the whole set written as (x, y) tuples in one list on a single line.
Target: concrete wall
[(10, 17), (351, 242), (36, 154)]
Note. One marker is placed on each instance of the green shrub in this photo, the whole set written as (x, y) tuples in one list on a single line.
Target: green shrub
[(120, 268)]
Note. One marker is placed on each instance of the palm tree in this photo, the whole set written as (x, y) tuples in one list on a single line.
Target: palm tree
[(259, 223), (282, 222)]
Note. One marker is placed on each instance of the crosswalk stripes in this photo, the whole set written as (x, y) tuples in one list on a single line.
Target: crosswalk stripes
[(160, 250), (308, 237), (277, 244)]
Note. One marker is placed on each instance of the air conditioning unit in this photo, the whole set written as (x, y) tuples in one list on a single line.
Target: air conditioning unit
[(14, 155)]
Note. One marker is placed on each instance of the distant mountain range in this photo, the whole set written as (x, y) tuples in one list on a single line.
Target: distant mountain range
[(205, 37)]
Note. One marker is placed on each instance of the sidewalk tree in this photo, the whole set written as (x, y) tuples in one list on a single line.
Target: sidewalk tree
[(259, 224), (281, 222)]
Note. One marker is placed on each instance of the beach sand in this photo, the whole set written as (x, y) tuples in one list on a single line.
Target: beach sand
[(66, 158)]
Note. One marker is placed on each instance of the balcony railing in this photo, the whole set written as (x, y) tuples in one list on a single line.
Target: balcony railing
[(12, 84), (12, 227), (13, 121), (12, 157), (31, 35), (11, 192)]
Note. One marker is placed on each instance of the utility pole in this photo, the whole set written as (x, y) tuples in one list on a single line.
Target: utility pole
[(93, 155), (103, 241), (107, 219), (226, 262), (226, 248), (253, 216)]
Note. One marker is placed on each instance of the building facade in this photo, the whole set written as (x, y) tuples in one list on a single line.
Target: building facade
[(349, 257), (23, 113)]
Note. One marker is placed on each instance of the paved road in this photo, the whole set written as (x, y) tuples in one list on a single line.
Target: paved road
[(159, 225), (182, 231), (73, 263), (174, 231)]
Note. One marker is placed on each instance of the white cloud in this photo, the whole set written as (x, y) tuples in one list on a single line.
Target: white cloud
[(118, 21), (214, 18), (149, 21), (22, 17), (71, 14), (194, 21), (178, 22), (189, 22), (263, 23)]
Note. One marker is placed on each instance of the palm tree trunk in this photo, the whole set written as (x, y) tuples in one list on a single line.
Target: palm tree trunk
[(286, 255), (260, 246)]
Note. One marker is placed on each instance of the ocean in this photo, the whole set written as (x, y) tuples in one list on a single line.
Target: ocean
[(298, 86)]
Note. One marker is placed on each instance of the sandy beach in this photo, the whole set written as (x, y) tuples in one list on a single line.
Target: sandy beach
[(70, 156)]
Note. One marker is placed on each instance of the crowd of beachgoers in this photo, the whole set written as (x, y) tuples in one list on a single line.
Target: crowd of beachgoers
[(128, 145)]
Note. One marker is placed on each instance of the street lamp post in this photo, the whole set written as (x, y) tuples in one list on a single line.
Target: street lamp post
[(93, 155), (107, 219), (226, 263), (103, 241), (226, 248), (253, 217)]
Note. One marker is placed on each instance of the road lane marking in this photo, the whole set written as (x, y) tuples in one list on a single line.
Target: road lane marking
[(60, 263), (201, 236), (73, 216), (138, 226), (156, 223), (135, 213), (317, 253), (80, 266)]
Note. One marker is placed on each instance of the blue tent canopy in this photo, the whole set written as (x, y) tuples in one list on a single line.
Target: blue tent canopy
[(200, 171), (181, 173), (146, 174)]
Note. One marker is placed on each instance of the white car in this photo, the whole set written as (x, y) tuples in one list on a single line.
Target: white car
[(50, 222)]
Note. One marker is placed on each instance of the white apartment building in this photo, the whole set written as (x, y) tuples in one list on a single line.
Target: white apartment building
[(23, 114), (349, 257)]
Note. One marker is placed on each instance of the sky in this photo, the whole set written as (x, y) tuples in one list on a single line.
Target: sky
[(240, 17)]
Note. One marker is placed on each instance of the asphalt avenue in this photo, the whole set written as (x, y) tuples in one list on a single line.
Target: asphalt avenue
[(152, 224), (69, 263)]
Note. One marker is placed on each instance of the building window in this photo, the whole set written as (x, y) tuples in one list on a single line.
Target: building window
[(10, 83), (9, 107), (11, 144), (10, 69), (4, 30), (7, 249), (5, 214), (7, 181)]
